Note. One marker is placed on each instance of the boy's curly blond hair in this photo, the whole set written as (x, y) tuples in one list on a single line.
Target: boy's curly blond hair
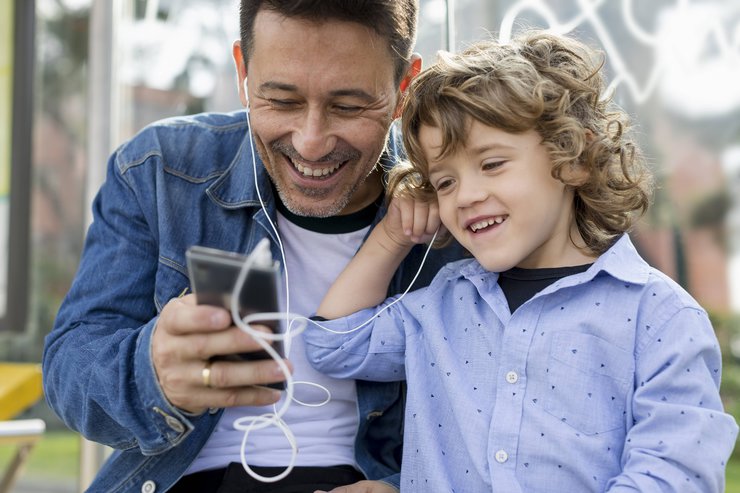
[(553, 85)]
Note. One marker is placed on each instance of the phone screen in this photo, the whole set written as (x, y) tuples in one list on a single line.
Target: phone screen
[(213, 274)]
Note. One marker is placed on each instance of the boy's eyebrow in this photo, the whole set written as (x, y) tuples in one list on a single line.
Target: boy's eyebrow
[(433, 166), (493, 146), (281, 86), (487, 147)]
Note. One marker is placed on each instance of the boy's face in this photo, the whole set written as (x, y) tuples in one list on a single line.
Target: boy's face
[(322, 98), (498, 199)]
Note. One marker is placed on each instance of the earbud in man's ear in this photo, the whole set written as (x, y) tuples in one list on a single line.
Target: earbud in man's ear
[(246, 92)]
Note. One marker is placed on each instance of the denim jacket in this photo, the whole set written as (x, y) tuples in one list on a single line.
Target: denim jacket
[(179, 182)]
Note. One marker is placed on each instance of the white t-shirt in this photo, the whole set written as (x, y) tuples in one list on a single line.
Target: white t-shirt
[(325, 435)]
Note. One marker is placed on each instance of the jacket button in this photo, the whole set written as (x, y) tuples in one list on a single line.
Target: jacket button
[(148, 487), (175, 424)]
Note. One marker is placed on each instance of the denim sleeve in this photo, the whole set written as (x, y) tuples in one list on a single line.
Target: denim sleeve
[(681, 438), (98, 373), (394, 481)]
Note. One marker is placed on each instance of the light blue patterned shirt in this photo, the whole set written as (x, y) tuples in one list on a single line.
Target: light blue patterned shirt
[(606, 380)]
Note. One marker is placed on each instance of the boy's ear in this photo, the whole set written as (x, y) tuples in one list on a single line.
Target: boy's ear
[(413, 70), (576, 174)]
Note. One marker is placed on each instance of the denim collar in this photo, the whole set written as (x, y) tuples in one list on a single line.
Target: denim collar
[(234, 189)]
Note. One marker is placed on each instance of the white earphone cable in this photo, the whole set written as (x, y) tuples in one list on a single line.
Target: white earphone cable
[(250, 423)]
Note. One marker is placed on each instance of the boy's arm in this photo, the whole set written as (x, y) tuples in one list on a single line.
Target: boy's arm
[(681, 438), (364, 282)]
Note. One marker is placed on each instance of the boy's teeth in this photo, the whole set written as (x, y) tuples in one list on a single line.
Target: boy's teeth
[(486, 222), (306, 171)]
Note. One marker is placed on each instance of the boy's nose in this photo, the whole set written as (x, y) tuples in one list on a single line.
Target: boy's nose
[(313, 138), (470, 191)]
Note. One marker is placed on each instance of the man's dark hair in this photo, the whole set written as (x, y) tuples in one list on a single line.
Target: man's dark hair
[(394, 20)]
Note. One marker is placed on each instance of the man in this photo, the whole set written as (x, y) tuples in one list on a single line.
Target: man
[(129, 361)]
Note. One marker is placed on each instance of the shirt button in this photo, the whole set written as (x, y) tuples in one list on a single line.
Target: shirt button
[(501, 456), (512, 377), (148, 487)]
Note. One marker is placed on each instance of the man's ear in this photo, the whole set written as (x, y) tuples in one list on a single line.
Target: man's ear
[(413, 70), (241, 71)]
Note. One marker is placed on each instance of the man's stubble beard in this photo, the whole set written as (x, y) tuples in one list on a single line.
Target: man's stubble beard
[(309, 210), (322, 211)]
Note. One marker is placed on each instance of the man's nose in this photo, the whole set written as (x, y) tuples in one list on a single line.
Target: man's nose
[(314, 138)]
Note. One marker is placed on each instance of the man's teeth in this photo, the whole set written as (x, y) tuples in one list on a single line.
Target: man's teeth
[(486, 222), (306, 171)]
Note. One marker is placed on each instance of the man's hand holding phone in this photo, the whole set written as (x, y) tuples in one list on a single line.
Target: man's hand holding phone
[(185, 340), (201, 358)]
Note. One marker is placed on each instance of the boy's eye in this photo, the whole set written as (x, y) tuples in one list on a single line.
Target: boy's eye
[(443, 184), (491, 165)]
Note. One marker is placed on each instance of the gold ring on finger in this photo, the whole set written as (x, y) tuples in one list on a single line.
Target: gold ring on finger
[(206, 374)]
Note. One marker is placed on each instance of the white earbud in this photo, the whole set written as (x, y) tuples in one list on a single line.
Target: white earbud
[(246, 92)]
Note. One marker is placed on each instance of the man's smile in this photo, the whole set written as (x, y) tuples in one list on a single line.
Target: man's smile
[(315, 171)]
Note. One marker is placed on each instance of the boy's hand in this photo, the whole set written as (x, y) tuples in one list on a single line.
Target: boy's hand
[(406, 223), (410, 221)]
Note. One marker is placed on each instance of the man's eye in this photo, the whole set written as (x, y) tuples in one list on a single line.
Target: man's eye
[(281, 103), (347, 109)]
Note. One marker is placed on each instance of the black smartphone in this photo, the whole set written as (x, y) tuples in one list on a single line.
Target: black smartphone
[(213, 274)]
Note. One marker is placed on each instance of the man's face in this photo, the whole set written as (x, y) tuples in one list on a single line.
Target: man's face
[(321, 100)]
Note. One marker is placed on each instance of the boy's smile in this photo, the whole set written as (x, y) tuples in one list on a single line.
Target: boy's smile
[(479, 225), (498, 198)]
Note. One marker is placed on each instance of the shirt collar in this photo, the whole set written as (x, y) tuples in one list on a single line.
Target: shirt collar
[(621, 261)]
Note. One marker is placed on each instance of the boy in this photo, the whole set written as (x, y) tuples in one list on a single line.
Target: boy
[(557, 359)]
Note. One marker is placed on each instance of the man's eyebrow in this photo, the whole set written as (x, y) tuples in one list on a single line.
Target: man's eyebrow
[(338, 93), (280, 86), (353, 93)]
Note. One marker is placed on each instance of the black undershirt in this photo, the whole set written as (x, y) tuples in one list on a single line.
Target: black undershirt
[(519, 285), (333, 225)]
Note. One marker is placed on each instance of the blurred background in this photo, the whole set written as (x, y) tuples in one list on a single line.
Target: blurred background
[(78, 77)]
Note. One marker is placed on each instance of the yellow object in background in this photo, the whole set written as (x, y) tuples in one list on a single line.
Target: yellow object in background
[(20, 388)]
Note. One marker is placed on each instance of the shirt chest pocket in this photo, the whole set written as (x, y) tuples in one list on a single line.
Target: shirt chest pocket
[(588, 381)]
